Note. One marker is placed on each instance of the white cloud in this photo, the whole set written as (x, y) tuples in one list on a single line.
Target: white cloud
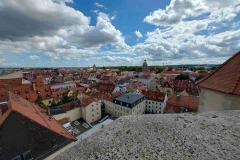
[(178, 10), (99, 5), (62, 32), (95, 11), (2, 60), (43, 18), (34, 57), (138, 34)]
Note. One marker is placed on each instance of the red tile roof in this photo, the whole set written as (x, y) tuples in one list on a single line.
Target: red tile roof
[(32, 112), (63, 121), (183, 101), (225, 78), (153, 95)]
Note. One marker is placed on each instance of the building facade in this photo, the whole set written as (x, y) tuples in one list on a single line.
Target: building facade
[(126, 104)]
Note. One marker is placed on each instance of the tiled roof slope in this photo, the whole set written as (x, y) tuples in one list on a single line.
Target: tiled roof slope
[(225, 78), (32, 112), (183, 101)]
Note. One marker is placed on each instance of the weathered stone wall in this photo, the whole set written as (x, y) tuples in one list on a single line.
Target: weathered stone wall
[(207, 135)]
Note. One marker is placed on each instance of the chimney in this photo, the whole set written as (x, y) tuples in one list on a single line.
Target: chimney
[(178, 97)]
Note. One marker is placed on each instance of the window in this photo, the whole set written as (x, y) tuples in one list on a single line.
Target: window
[(49, 102), (92, 119), (97, 112), (149, 103), (92, 114), (54, 143), (93, 110), (27, 155), (97, 108), (92, 105)]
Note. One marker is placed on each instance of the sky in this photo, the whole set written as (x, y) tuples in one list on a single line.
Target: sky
[(80, 33)]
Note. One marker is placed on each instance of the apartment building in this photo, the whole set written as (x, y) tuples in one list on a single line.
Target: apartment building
[(125, 104), (155, 101), (91, 108)]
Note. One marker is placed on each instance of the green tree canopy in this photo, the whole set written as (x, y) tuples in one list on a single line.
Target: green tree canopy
[(39, 101), (182, 77), (198, 78), (213, 68), (159, 70), (202, 71)]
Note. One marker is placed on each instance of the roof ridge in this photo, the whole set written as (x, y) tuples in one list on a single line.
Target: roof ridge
[(40, 115), (218, 68)]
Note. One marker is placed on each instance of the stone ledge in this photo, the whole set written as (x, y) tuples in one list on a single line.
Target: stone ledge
[(207, 135)]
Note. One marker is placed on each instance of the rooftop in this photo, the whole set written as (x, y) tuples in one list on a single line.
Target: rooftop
[(207, 135), (32, 112), (226, 78), (129, 97), (12, 75), (63, 85)]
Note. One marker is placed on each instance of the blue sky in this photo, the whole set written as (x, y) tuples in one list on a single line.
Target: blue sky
[(79, 33)]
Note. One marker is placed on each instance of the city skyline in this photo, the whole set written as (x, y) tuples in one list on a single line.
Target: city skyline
[(68, 33)]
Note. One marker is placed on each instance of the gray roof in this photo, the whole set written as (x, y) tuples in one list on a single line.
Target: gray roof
[(63, 85), (129, 97), (208, 135)]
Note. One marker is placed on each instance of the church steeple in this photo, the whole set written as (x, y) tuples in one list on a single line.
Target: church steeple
[(145, 66), (94, 68)]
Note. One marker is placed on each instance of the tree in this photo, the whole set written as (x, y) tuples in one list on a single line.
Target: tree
[(159, 70), (39, 101), (73, 97), (202, 71), (53, 104), (65, 99), (118, 72), (198, 78), (182, 77), (213, 68), (137, 76)]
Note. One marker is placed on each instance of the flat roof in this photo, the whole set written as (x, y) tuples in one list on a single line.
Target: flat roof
[(129, 97)]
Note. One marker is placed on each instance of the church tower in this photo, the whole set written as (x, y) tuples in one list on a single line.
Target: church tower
[(145, 66), (94, 68)]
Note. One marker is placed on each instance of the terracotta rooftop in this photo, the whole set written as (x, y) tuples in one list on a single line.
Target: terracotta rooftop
[(63, 121), (32, 112), (154, 95), (226, 78), (183, 101)]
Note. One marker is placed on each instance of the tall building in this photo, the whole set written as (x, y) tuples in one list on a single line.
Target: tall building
[(145, 66), (220, 90), (94, 68)]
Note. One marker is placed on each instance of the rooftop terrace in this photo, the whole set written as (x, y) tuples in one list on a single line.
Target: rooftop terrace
[(207, 135)]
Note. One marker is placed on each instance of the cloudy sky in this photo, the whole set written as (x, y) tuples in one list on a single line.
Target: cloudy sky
[(73, 33)]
